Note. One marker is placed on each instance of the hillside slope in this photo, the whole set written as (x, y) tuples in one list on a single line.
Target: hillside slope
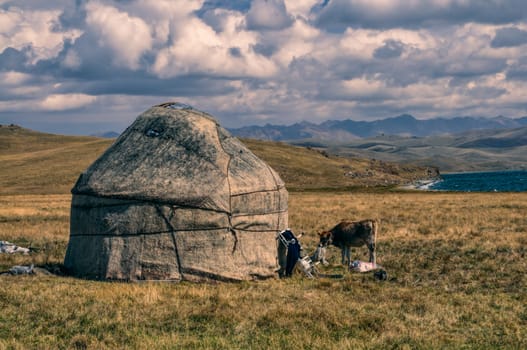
[(482, 150), (34, 162), (307, 168)]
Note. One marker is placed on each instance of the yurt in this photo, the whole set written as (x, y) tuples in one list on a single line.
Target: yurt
[(176, 197)]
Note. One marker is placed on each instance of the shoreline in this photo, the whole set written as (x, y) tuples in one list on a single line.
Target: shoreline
[(483, 171), (480, 181), (421, 185)]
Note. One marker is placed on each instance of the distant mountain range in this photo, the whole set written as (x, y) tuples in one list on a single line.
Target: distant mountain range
[(403, 125), (106, 134)]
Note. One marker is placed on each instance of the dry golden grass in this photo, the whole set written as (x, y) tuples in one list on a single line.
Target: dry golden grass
[(39, 163), (36, 221), (456, 279)]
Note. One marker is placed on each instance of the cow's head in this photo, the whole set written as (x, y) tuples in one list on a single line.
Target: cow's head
[(325, 238)]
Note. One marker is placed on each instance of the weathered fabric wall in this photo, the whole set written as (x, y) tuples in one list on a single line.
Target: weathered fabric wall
[(176, 197)]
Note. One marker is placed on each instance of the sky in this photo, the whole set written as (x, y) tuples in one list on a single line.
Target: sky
[(88, 66)]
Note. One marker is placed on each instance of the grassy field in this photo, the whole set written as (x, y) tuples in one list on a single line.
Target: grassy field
[(40, 163), (456, 266), (456, 279)]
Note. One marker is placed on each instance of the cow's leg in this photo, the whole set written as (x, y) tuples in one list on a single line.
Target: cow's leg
[(345, 255), (371, 248)]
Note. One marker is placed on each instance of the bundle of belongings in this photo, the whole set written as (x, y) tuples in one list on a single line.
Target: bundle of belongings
[(22, 270), (10, 248), (363, 266), (289, 256)]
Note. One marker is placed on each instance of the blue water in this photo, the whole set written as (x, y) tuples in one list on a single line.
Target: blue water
[(495, 181)]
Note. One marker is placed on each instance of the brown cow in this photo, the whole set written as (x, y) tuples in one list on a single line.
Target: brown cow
[(349, 234)]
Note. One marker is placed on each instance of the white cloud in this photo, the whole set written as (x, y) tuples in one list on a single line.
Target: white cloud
[(362, 43), (361, 88), (128, 37), (197, 48), (36, 30), (268, 14), (62, 102), (296, 41), (164, 8), (9, 20), (11, 78), (300, 7), (163, 15)]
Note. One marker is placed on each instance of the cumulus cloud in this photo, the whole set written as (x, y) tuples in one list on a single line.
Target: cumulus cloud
[(257, 61), (221, 20), (300, 8), (128, 37), (197, 48), (268, 15), (35, 30)]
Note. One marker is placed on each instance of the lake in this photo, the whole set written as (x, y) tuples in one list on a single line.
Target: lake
[(491, 181)]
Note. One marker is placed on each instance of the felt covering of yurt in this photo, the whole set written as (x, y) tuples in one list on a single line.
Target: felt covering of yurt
[(176, 197)]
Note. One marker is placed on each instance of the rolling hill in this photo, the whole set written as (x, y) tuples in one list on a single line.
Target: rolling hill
[(40, 163), (35, 162), (470, 151)]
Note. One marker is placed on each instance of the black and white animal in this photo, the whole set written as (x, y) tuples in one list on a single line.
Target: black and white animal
[(347, 234)]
